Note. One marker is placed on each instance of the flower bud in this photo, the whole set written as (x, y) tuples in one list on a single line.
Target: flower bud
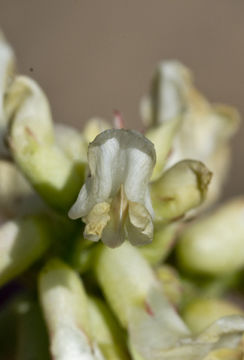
[(22, 242), (214, 245), (54, 175), (203, 130), (65, 308), (136, 297), (129, 284), (162, 137), (155, 329), (180, 189), (201, 313), (16, 195)]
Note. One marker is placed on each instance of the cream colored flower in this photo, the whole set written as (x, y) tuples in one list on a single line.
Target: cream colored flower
[(184, 125), (114, 202)]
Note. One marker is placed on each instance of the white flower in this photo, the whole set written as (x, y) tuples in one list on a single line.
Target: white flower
[(114, 202)]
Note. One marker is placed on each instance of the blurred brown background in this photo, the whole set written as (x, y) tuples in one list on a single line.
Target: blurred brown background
[(94, 56)]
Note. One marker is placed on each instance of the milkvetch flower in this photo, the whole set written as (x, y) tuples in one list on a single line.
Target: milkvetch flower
[(184, 125), (155, 329), (49, 166), (114, 202), (66, 311)]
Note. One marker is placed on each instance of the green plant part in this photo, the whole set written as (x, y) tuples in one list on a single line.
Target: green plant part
[(225, 354), (162, 137), (56, 176), (65, 307), (172, 285), (72, 142), (180, 189), (163, 242), (214, 245), (201, 313), (204, 129), (155, 330), (22, 242), (16, 196), (32, 339), (106, 331)]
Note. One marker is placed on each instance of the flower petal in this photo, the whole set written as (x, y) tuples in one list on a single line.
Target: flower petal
[(121, 163), (139, 225)]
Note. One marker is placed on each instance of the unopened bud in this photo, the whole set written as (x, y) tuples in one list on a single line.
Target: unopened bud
[(180, 189), (214, 245)]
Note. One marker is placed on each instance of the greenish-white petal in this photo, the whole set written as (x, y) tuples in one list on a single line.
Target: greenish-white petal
[(202, 312), (121, 163), (214, 245), (22, 242), (180, 189), (56, 176), (65, 308)]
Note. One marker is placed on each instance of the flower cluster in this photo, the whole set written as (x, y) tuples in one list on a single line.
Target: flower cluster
[(101, 238)]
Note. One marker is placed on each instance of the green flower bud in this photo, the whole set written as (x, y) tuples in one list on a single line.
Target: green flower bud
[(180, 189), (106, 332), (65, 308), (129, 284), (214, 245), (55, 175), (22, 242), (201, 313)]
